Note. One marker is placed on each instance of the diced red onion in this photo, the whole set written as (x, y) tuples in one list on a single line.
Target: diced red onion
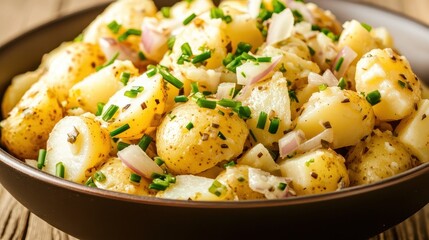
[(110, 47), (154, 38), (348, 56), (281, 26), (316, 142), (290, 142), (250, 72), (327, 78), (267, 184), (225, 90), (253, 8), (138, 161)]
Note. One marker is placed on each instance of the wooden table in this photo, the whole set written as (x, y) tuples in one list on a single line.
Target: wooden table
[(17, 16)]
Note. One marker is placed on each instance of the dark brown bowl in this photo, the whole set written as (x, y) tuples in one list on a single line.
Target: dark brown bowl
[(88, 213)]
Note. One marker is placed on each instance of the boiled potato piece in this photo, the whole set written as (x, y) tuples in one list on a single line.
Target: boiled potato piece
[(192, 139), (383, 37), (413, 131), (140, 111), (390, 74), (71, 65), (318, 171), (259, 157), (27, 126), (19, 85), (377, 157), (272, 98), (357, 38), (190, 187), (80, 144), (100, 86), (237, 178), (348, 113), (324, 18), (117, 178)]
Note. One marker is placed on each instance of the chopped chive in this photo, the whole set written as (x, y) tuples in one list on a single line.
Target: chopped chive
[(90, 182), (186, 49), (315, 27), (227, 19), (217, 188), (100, 107), (224, 102), (216, 13), (110, 62), (339, 63), (120, 130), (274, 125), (144, 142), (229, 164), (241, 179), (141, 55), (309, 162), (156, 186), (252, 135), (110, 112), (221, 136), (135, 178), (158, 161), (202, 57), (342, 83), (244, 112), (401, 83), (283, 70), (79, 38), (194, 87), (170, 78), (298, 17), (264, 59), (312, 51), (262, 119), (60, 170), (373, 97), (99, 176), (204, 103), (129, 32), (243, 47), (152, 72), (366, 26), (282, 186), (125, 77), (189, 19), (189, 126), (165, 11), (133, 92), (122, 145), (41, 158), (232, 66), (292, 96), (323, 86), (170, 42), (114, 26), (228, 59), (278, 6), (247, 56), (180, 98)]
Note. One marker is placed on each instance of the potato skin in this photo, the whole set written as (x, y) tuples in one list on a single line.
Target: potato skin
[(200, 148), (27, 127), (379, 156)]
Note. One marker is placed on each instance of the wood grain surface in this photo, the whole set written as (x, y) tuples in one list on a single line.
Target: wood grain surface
[(17, 16)]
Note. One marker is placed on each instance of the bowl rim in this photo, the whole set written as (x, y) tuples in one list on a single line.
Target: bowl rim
[(44, 177)]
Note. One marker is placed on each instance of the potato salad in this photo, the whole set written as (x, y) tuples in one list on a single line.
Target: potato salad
[(243, 100)]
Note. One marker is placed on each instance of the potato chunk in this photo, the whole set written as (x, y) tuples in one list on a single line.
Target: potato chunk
[(379, 156), (192, 139), (390, 74)]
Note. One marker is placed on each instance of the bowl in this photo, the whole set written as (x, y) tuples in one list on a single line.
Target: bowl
[(88, 213)]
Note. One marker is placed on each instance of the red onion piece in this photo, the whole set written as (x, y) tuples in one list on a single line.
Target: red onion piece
[(290, 142), (316, 142), (327, 78), (110, 47), (281, 26), (267, 184), (348, 56), (250, 72), (154, 38), (138, 161)]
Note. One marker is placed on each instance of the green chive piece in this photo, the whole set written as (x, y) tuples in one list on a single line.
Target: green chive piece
[(228, 59), (323, 87), (202, 57), (90, 182), (247, 56), (133, 92), (194, 87), (165, 11), (114, 26), (152, 72), (142, 57), (129, 32), (100, 107), (264, 59), (366, 26), (122, 145), (204, 103), (312, 51), (309, 162), (189, 19), (99, 176), (224, 102), (189, 126), (135, 178), (158, 161), (180, 98), (221, 136), (227, 19), (244, 112), (297, 15), (262, 119), (339, 63), (125, 77), (282, 186), (60, 170), (145, 142), (229, 164), (278, 6), (217, 188), (110, 112), (342, 83), (292, 96), (120, 130), (243, 47), (241, 179), (170, 42), (170, 78), (41, 158), (110, 62), (186, 49), (156, 186), (402, 83), (373, 97), (274, 125), (79, 38), (216, 13), (252, 135)]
